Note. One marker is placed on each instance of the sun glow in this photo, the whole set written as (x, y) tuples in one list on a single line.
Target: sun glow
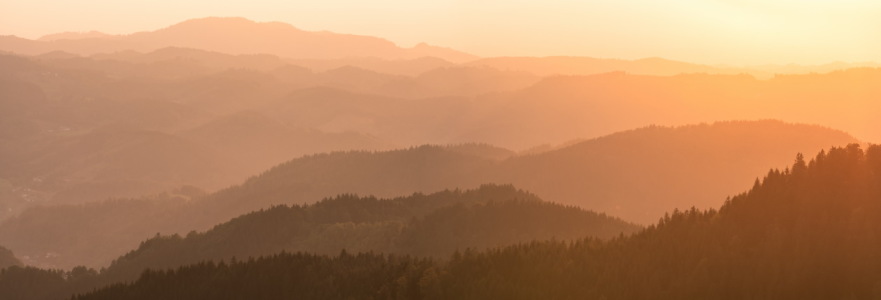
[(705, 31)]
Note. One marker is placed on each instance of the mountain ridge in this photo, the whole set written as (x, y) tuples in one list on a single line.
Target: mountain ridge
[(629, 175), (401, 225), (801, 233), (215, 34)]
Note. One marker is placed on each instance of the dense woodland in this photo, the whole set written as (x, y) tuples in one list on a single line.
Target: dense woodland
[(422, 225), (434, 225), (806, 232), (8, 259)]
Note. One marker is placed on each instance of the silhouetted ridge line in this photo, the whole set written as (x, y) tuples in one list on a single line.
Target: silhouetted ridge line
[(635, 175), (435, 225), (235, 35), (804, 232)]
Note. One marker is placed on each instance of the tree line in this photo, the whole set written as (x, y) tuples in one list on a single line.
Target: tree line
[(806, 232)]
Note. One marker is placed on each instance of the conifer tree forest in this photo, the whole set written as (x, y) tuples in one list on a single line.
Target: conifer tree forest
[(809, 231)]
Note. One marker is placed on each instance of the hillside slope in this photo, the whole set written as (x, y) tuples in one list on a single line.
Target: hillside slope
[(423, 225), (434, 225), (808, 232), (7, 259), (635, 175)]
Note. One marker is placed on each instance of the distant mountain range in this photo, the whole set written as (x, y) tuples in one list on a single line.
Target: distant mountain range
[(73, 36), (59, 108), (563, 65), (322, 51), (636, 175), (233, 36)]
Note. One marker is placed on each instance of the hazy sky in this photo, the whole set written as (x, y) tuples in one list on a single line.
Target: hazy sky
[(704, 31)]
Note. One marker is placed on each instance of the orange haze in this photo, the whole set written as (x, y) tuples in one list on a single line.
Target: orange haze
[(704, 31)]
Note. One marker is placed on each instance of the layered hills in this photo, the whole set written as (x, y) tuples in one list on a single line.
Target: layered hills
[(165, 123), (327, 50), (233, 36), (437, 225), (636, 175), (226, 158), (803, 232)]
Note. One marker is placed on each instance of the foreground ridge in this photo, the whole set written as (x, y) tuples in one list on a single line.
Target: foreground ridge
[(804, 232)]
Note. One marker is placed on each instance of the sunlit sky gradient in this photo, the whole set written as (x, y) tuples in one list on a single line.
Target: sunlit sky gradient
[(733, 32)]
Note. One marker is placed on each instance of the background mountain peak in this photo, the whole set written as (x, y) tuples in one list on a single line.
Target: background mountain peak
[(234, 35), (226, 23)]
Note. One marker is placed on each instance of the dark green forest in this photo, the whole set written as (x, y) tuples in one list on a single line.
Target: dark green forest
[(434, 225), (806, 232), (7, 258), (437, 225)]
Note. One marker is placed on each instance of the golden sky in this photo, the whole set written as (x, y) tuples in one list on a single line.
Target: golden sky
[(737, 32)]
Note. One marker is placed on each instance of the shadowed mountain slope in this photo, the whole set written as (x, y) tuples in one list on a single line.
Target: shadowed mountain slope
[(7, 259), (805, 232), (640, 174), (436, 225), (425, 225), (636, 175)]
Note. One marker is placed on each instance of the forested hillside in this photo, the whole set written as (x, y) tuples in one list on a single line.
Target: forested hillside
[(805, 232), (7, 259), (434, 225), (423, 225)]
